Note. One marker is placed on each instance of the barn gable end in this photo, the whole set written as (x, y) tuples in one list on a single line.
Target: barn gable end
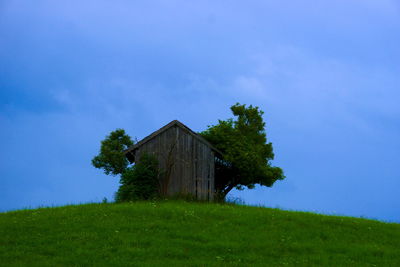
[(187, 160)]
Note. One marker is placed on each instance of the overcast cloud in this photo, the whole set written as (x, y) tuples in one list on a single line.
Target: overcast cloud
[(326, 75)]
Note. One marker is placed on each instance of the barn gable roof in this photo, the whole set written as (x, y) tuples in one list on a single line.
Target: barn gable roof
[(131, 149)]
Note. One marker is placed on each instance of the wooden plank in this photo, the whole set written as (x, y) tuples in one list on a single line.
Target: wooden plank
[(184, 164), (202, 169), (190, 166), (193, 168)]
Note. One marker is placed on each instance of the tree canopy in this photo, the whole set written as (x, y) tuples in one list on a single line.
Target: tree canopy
[(140, 181), (111, 157), (246, 153)]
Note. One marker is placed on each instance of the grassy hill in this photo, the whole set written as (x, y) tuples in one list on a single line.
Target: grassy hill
[(192, 234)]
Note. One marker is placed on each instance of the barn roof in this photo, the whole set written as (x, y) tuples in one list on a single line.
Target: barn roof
[(131, 149)]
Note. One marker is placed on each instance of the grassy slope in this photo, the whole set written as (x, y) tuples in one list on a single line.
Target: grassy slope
[(192, 234)]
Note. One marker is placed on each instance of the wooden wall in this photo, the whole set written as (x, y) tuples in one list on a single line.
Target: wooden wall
[(186, 160)]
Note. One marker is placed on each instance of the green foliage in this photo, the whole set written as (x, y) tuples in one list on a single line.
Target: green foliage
[(141, 181), (111, 157), (191, 234), (247, 154), (138, 182)]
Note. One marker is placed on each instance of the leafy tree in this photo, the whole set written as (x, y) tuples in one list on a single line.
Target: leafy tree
[(246, 152), (111, 157), (140, 181)]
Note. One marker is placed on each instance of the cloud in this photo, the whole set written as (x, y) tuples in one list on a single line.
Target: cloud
[(324, 73), (318, 86)]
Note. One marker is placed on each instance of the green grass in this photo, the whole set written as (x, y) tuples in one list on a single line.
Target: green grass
[(192, 234)]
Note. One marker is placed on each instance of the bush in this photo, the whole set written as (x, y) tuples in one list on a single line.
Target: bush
[(141, 181)]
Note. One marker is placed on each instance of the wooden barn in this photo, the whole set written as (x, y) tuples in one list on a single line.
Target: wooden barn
[(186, 158)]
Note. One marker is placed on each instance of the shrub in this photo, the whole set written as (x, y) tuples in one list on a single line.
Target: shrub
[(141, 181)]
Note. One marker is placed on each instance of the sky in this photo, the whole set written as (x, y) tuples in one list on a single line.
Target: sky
[(326, 74)]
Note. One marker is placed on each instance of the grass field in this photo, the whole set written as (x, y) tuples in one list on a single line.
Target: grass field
[(192, 234)]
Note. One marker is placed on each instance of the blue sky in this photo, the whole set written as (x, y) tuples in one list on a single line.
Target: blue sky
[(326, 75)]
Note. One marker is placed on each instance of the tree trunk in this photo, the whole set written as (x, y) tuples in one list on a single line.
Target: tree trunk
[(227, 190)]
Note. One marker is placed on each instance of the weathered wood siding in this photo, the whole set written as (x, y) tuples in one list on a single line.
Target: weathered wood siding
[(188, 161)]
